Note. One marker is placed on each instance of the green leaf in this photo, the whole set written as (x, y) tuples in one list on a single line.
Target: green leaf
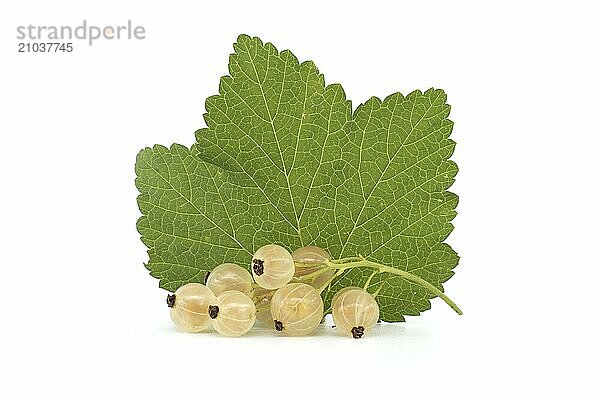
[(285, 160)]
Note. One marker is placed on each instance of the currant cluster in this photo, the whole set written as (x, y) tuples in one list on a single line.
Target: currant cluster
[(284, 291)]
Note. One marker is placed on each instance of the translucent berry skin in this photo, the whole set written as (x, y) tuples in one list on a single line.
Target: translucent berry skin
[(229, 276), (312, 255), (297, 309), (236, 314), (354, 311), (272, 266), (341, 291), (190, 308)]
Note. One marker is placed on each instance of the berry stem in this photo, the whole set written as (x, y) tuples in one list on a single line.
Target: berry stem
[(327, 266), (263, 308), (343, 264), (376, 293), (369, 280), (262, 294), (347, 260)]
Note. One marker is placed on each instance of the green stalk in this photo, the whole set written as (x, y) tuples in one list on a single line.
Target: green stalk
[(353, 262)]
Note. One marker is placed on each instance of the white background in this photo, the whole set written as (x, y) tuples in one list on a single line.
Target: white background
[(82, 318)]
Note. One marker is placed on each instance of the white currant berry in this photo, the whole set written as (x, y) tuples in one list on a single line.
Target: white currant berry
[(189, 307), (233, 313), (354, 311), (309, 260), (229, 276), (272, 266), (341, 291), (296, 309)]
